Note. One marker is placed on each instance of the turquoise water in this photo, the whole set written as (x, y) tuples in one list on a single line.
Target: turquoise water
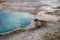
[(13, 20)]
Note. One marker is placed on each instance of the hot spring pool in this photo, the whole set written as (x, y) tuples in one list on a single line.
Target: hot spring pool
[(12, 20)]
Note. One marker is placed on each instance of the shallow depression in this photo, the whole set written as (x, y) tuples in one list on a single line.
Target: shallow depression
[(13, 20)]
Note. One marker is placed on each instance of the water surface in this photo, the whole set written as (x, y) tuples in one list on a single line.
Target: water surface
[(13, 20)]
